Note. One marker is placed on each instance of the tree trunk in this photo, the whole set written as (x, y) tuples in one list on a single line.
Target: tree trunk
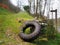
[(34, 6), (44, 6)]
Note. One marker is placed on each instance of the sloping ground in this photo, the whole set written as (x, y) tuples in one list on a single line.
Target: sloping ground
[(9, 26), (9, 29)]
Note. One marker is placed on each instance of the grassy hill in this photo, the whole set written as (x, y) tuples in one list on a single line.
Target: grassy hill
[(9, 25), (9, 29)]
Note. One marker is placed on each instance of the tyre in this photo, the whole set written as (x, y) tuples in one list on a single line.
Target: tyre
[(35, 31)]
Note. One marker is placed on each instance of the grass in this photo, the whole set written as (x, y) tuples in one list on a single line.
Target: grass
[(9, 29)]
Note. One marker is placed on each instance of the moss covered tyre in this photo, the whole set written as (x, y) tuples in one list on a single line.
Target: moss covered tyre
[(36, 31)]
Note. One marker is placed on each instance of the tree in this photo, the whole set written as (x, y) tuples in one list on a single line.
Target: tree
[(44, 6), (34, 6), (37, 7), (48, 8), (19, 3), (40, 7), (30, 2), (27, 9)]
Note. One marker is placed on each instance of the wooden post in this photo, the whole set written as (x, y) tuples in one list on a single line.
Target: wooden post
[(55, 16)]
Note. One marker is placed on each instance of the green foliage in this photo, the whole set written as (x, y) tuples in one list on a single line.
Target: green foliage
[(27, 31), (27, 8), (51, 32)]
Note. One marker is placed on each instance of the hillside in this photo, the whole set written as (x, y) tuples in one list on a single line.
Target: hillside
[(9, 29), (9, 25)]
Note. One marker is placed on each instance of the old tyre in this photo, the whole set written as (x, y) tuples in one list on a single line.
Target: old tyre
[(35, 28)]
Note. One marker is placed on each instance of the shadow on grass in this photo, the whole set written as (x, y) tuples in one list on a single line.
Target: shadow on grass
[(55, 41), (40, 42)]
